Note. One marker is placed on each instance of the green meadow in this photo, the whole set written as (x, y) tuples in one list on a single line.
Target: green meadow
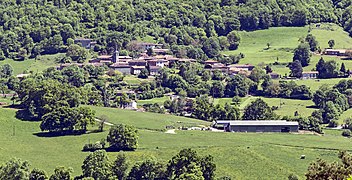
[(239, 155), (33, 65), (283, 41)]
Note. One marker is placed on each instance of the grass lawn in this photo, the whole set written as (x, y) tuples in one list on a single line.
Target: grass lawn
[(239, 155), (328, 31)]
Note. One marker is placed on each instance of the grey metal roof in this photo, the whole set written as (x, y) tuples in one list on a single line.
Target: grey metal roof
[(259, 123)]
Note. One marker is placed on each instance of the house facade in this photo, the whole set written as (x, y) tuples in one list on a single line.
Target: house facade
[(335, 52), (136, 70), (310, 75)]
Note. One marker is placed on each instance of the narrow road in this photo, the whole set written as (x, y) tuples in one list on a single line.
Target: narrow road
[(107, 123)]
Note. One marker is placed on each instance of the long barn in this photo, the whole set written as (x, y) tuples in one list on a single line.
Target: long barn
[(259, 126)]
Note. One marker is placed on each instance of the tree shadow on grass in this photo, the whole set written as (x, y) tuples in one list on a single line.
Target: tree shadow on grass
[(312, 107), (113, 149), (58, 134), (64, 133), (13, 106)]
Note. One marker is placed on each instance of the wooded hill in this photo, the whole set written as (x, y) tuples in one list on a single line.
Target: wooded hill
[(195, 28)]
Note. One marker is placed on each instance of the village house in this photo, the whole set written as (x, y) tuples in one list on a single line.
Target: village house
[(274, 75), (210, 62), (22, 76), (160, 51), (310, 75), (122, 67), (131, 105), (158, 62), (105, 59), (154, 70), (259, 126), (246, 67), (243, 69), (217, 67), (335, 52), (136, 70), (87, 43), (140, 62), (145, 46)]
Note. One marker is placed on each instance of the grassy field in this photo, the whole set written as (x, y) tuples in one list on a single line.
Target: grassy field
[(19, 67), (145, 120), (335, 32), (239, 155), (254, 45)]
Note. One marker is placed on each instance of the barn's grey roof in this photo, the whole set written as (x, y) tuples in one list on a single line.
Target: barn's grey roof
[(259, 123)]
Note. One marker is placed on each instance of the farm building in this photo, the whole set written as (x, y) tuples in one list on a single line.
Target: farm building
[(310, 75), (336, 52), (259, 126)]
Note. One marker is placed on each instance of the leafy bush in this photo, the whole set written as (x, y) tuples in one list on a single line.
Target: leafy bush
[(346, 133), (94, 146)]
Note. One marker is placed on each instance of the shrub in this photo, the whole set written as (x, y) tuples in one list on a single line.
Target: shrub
[(333, 123), (346, 133), (94, 146)]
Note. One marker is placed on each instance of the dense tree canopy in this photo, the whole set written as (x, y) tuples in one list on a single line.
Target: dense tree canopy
[(33, 27)]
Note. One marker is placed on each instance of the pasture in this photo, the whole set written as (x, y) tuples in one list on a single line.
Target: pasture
[(254, 45), (239, 155), (33, 65)]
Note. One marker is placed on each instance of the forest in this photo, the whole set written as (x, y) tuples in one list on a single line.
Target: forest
[(198, 29)]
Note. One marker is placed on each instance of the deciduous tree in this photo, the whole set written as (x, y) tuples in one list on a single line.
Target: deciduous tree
[(123, 137)]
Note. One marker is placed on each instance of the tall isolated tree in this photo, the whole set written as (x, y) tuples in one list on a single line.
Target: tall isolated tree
[(123, 137), (258, 110), (331, 43), (313, 43), (343, 69), (296, 69), (302, 54)]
